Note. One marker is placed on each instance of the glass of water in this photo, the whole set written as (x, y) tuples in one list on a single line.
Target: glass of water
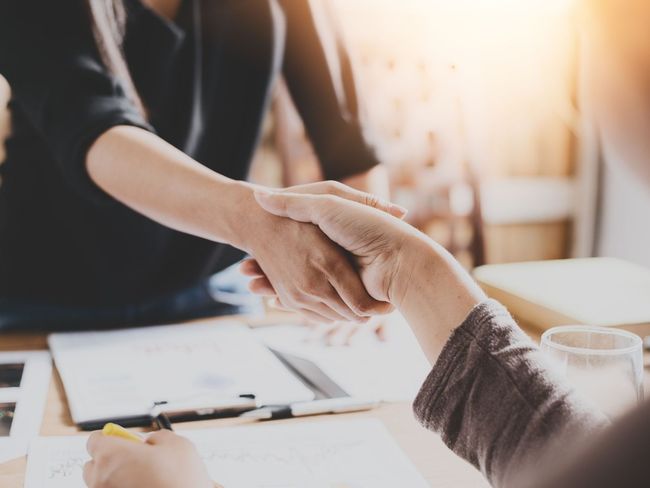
[(605, 365)]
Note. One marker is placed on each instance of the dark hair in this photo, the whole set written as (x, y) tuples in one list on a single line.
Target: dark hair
[(108, 20)]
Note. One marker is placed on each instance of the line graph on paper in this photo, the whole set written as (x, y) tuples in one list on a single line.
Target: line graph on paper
[(333, 454), (300, 464), (66, 467)]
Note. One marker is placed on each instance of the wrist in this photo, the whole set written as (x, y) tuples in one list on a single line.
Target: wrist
[(436, 294), (417, 258), (243, 217)]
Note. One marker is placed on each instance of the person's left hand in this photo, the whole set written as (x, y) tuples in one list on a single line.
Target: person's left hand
[(163, 460)]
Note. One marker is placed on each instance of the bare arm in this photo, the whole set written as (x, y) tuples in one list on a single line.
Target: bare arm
[(157, 180), (308, 272)]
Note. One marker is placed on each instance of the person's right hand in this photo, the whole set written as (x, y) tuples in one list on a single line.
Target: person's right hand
[(398, 264), (305, 270), (377, 240), (162, 460)]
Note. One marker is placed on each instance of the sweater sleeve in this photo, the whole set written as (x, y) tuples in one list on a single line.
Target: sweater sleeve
[(494, 400), (59, 84)]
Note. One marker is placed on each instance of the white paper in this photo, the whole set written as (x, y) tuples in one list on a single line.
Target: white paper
[(347, 454), (116, 374), (27, 400), (390, 371)]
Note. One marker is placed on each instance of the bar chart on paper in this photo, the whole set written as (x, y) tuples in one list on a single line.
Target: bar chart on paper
[(336, 454)]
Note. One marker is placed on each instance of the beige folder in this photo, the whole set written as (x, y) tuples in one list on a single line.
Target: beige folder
[(596, 291)]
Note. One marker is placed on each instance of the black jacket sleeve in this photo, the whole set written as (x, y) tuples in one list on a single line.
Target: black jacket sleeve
[(326, 99), (59, 84)]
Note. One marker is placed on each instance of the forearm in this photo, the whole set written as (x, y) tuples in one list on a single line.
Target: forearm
[(490, 393), (155, 179), (433, 292), (496, 403)]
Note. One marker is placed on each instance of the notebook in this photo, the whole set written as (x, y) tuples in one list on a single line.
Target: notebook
[(595, 291), (118, 375)]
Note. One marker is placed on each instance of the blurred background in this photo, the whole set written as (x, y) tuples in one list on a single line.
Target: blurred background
[(479, 109)]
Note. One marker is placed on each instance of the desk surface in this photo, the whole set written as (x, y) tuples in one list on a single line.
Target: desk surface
[(438, 465)]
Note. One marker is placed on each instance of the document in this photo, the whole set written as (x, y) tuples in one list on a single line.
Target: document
[(120, 374), (24, 383), (335, 454), (392, 370)]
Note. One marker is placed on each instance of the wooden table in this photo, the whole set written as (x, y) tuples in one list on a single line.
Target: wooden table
[(440, 467)]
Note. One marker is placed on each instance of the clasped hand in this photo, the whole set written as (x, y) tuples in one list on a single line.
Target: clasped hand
[(304, 268)]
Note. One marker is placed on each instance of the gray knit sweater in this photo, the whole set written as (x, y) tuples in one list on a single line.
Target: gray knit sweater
[(495, 402)]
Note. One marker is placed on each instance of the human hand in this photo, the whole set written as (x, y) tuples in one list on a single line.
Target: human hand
[(397, 263), (163, 460), (376, 239), (299, 265)]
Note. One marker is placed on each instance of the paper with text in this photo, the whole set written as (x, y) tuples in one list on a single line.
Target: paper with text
[(121, 373), (336, 454)]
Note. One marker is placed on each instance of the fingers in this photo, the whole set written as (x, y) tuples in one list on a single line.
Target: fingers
[(94, 442), (333, 308), (349, 287), (336, 303), (303, 208), (277, 304), (349, 193), (317, 313), (163, 437), (325, 310), (100, 445), (88, 473), (262, 286), (250, 267)]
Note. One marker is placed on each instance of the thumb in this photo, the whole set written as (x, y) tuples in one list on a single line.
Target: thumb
[(302, 208), (339, 219), (161, 437), (348, 193)]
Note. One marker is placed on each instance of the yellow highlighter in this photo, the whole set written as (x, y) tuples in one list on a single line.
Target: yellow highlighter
[(119, 431)]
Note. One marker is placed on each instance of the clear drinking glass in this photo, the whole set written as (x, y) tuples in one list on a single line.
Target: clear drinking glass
[(606, 365)]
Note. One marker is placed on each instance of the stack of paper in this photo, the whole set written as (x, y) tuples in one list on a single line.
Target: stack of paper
[(358, 454)]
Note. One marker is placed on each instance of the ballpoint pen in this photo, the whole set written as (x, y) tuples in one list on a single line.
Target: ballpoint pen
[(317, 407)]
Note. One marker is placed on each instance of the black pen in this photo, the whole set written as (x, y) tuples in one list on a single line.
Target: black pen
[(161, 420), (164, 413)]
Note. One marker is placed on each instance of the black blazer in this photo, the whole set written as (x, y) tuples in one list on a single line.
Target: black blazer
[(205, 80)]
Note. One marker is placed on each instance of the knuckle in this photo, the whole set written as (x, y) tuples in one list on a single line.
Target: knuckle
[(313, 285), (293, 297), (333, 186), (371, 200), (363, 306)]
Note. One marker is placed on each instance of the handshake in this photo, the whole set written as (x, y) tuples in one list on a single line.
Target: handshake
[(333, 253)]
